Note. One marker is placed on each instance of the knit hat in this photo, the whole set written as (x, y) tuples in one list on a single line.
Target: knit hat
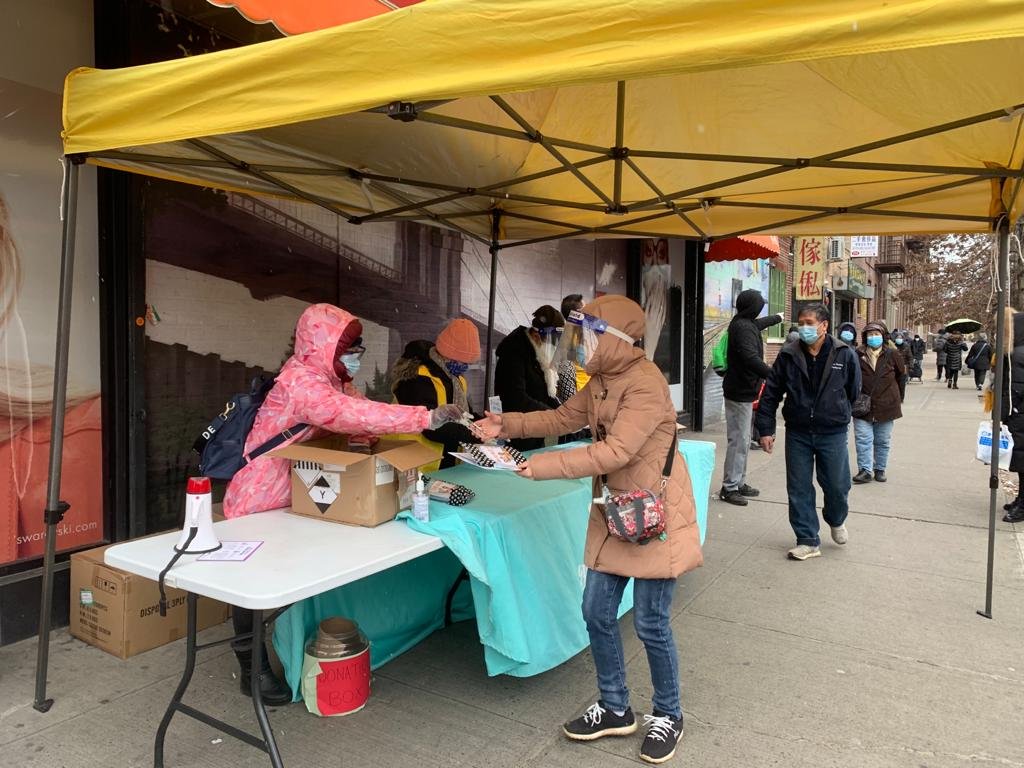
[(459, 341)]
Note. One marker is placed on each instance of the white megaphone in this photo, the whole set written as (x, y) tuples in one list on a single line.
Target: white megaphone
[(197, 537)]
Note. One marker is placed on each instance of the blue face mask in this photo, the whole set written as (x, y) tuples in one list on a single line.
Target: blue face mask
[(846, 336), (899, 342), (874, 341), (352, 363), (456, 368), (808, 334)]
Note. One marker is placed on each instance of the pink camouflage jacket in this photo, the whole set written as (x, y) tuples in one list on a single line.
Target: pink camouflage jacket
[(308, 391)]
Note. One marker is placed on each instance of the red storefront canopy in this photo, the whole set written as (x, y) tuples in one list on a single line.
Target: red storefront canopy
[(743, 247)]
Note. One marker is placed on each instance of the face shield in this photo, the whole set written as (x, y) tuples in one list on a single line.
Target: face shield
[(582, 334), (546, 342)]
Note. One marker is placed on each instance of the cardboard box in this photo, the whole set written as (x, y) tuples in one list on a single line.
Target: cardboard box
[(331, 482), (119, 612)]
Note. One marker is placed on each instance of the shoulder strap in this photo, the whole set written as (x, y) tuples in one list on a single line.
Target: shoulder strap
[(275, 442)]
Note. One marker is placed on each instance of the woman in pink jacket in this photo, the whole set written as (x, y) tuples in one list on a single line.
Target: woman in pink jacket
[(314, 387)]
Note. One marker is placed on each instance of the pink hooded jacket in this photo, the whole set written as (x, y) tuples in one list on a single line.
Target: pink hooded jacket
[(308, 391)]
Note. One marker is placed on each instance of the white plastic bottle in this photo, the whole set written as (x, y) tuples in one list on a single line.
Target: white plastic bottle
[(421, 501)]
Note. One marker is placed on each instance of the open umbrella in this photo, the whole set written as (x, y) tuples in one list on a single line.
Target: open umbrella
[(963, 325)]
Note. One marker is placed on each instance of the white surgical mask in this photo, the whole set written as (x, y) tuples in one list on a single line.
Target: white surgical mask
[(352, 363)]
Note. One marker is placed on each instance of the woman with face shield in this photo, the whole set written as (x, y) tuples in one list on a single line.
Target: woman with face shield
[(627, 406)]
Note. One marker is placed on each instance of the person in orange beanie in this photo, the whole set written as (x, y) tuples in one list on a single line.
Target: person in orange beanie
[(436, 373)]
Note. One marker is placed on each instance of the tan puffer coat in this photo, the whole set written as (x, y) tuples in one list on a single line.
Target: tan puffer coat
[(627, 402)]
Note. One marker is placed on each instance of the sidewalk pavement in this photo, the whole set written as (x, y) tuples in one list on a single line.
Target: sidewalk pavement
[(871, 655)]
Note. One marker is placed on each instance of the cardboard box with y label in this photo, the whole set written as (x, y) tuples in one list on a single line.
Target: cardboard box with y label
[(332, 482)]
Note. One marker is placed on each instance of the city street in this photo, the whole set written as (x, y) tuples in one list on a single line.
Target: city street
[(871, 655)]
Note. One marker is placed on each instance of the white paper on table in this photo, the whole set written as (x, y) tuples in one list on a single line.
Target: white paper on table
[(232, 551), (495, 453)]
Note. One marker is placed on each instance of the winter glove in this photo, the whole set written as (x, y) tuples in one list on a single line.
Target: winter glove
[(444, 414)]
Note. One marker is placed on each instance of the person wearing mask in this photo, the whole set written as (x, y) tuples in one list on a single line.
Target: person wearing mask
[(883, 375), (314, 389), (745, 370), (979, 359), (526, 376), (628, 407), (848, 333), (939, 348), (435, 374), (819, 379), (917, 348), (953, 350), (902, 346)]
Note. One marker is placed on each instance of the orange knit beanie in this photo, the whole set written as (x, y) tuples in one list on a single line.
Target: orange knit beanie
[(460, 341)]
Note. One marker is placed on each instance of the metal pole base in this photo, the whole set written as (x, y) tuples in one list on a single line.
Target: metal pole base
[(984, 614)]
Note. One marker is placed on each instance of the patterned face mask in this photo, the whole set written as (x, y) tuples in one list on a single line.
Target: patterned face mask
[(455, 368)]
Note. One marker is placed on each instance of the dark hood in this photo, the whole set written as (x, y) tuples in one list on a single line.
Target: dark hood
[(749, 304), (847, 327)]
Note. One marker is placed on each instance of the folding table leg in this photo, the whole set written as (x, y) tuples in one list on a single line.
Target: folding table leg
[(257, 696), (186, 678)]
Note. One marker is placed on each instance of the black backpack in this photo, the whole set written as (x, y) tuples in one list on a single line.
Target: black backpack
[(221, 446)]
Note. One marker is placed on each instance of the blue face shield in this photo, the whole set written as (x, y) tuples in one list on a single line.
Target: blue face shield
[(582, 335)]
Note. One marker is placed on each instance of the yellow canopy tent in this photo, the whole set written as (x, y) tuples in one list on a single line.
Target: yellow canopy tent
[(517, 122)]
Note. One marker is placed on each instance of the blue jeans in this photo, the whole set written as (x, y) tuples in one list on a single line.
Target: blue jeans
[(652, 602), (806, 452), (872, 441)]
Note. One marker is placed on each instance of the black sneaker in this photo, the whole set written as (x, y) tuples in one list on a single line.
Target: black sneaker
[(663, 733), (862, 477), (733, 497), (599, 721), (879, 475), (749, 492), (1015, 515)]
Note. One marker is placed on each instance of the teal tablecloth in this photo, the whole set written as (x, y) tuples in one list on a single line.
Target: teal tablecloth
[(521, 542)]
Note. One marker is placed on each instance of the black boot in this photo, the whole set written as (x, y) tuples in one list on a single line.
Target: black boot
[(275, 692), (1015, 515)]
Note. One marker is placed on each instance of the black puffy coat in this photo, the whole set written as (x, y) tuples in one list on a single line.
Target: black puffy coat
[(954, 355), (1013, 396), (519, 381)]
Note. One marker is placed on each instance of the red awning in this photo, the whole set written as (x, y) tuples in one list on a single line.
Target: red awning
[(296, 16), (743, 247)]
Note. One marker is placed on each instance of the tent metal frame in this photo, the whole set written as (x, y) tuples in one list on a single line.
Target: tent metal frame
[(661, 206)]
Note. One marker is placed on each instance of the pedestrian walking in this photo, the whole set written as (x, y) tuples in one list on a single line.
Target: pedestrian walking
[(939, 348), (917, 348), (902, 345), (819, 377), (745, 370), (954, 350), (628, 407), (847, 333), (979, 359), (883, 373)]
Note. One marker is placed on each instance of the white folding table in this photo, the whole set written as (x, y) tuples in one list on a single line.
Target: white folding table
[(300, 557)]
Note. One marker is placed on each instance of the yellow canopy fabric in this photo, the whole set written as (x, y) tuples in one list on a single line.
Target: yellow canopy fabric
[(717, 117)]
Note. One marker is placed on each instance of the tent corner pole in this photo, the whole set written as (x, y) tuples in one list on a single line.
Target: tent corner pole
[(55, 510), (1003, 269), (492, 298)]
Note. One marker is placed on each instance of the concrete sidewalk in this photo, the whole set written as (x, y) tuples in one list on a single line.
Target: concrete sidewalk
[(871, 655)]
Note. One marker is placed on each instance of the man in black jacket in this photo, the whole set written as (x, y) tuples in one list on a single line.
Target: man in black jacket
[(820, 379), (526, 376), (744, 372)]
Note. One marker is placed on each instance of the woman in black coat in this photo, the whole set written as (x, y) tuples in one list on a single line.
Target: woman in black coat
[(955, 347), (979, 359)]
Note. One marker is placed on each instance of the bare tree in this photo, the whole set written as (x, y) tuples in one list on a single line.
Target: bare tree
[(951, 276)]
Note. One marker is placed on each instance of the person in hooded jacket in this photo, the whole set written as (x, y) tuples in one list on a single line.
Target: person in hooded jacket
[(883, 374), (745, 370), (314, 389), (979, 359), (434, 374), (918, 347), (953, 350), (526, 376), (1012, 412), (628, 407), (939, 348)]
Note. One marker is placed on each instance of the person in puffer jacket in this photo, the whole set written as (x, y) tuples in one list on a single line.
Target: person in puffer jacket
[(314, 387)]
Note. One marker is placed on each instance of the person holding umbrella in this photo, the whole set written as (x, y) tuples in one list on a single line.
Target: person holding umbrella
[(955, 347)]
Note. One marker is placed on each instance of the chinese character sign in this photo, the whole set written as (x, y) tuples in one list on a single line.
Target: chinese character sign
[(863, 247), (808, 268)]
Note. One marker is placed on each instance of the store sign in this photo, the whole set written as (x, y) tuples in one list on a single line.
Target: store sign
[(857, 279), (809, 268), (863, 247), (862, 307)]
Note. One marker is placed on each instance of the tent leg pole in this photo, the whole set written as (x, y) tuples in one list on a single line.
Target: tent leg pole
[(1003, 267), (55, 508), (492, 300)]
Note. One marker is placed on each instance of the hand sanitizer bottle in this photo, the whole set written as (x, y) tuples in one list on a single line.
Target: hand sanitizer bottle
[(421, 501)]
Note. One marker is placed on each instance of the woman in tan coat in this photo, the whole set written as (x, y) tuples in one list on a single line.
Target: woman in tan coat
[(627, 406)]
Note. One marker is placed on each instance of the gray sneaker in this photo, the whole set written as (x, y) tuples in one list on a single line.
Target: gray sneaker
[(840, 535), (804, 552)]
